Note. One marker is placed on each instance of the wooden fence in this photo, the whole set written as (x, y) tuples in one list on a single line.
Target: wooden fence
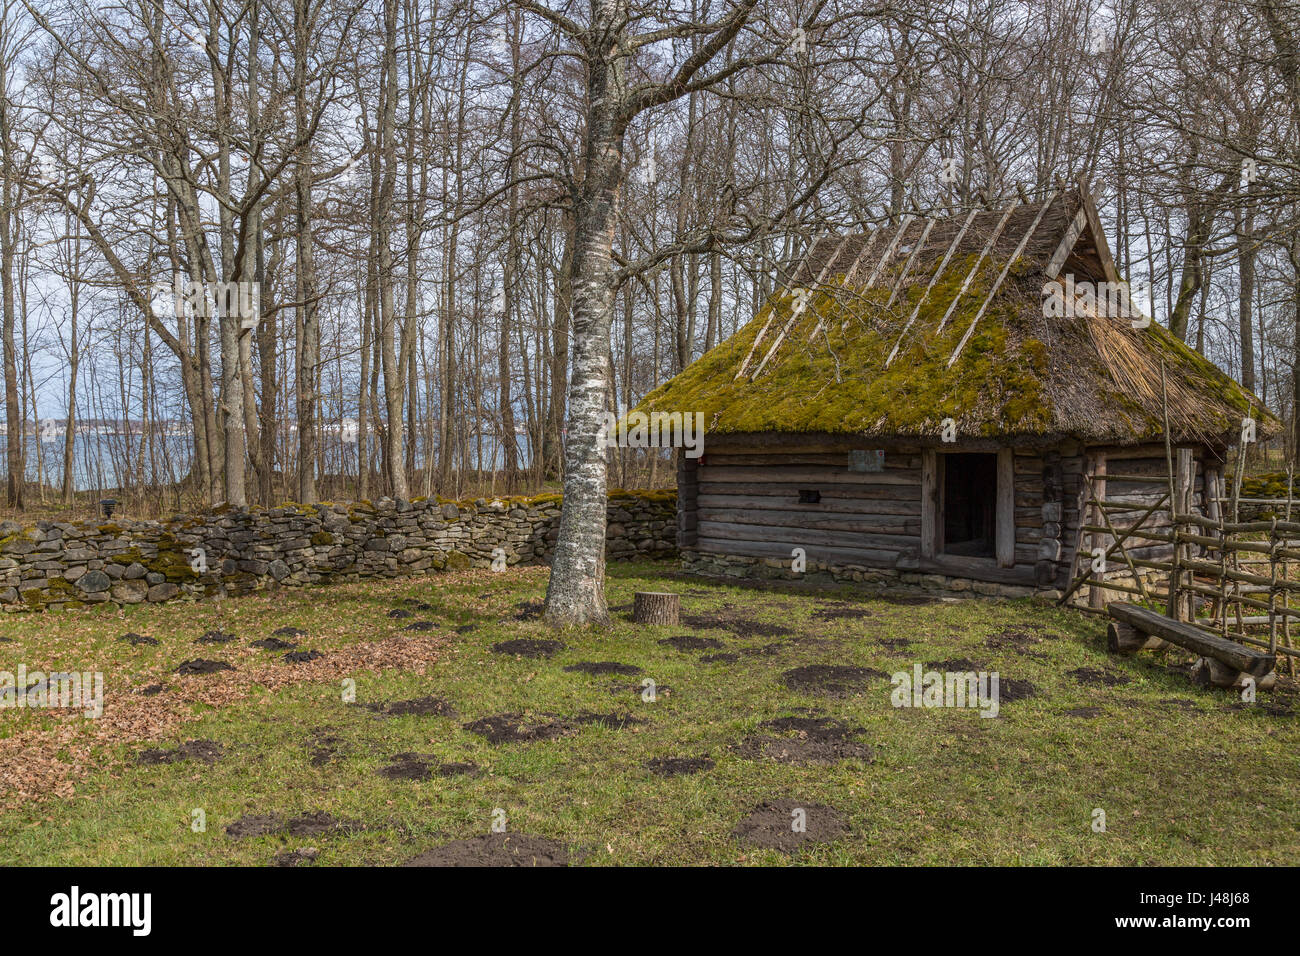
[(1227, 576)]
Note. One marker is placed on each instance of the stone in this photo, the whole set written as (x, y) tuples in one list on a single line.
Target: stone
[(279, 570), (93, 582), (130, 592), (163, 592)]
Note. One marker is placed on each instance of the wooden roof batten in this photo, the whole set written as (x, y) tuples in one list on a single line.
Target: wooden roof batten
[(997, 284), (803, 261), (938, 272), (797, 312), (1084, 220)]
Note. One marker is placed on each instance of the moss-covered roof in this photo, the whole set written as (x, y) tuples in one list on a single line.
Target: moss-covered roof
[(1021, 373)]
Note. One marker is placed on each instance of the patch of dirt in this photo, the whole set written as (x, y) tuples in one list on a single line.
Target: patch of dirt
[(1091, 675), (204, 751), (273, 644), (418, 605), (688, 643), (816, 740), (466, 628), (841, 612), (398, 614), (1011, 689), (529, 647), (324, 747), (495, 849), (255, 825), (1013, 640), (790, 825), (200, 666), (302, 657), (313, 824), (1085, 712), (834, 679), (804, 751), (602, 667), (466, 769), (135, 639), (817, 728), (215, 637), (308, 824), (896, 643), (958, 664), (679, 766), (522, 728), (7, 640), (420, 626), (737, 624), (409, 766), (719, 658), (427, 706), (152, 690), (1270, 708), (307, 854), (530, 611), (289, 632)]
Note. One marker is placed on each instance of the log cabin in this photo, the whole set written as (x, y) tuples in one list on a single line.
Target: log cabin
[(934, 402)]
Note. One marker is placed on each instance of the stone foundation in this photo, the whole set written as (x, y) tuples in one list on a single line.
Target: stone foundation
[(53, 565), (869, 580)]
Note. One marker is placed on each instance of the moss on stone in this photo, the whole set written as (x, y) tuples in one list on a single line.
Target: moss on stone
[(322, 539)]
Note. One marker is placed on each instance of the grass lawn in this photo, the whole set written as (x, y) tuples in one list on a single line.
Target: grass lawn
[(1183, 775)]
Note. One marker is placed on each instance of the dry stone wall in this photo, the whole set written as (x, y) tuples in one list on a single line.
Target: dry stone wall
[(54, 564)]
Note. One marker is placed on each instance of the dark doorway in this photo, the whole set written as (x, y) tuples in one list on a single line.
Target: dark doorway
[(970, 491)]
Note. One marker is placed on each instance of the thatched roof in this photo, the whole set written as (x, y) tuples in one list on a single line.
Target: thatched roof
[(890, 332)]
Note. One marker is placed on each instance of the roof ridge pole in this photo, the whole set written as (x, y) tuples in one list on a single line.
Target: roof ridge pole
[(943, 264), (970, 276), (797, 311), (884, 258), (997, 284), (907, 264), (772, 312)]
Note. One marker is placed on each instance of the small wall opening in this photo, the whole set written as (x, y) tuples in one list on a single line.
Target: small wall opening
[(969, 504)]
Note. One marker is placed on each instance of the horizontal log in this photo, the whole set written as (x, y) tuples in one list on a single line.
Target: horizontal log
[(809, 476), (781, 551), (1235, 655), (789, 499), (824, 521), (838, 460), (805, 537)]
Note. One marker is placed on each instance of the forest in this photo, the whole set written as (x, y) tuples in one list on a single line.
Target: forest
[(266, 250)]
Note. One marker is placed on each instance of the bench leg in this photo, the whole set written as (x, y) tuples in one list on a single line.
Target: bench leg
[(1209, 672), (1123, 638)]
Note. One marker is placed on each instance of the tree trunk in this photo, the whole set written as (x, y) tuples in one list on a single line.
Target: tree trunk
[(576, 594)]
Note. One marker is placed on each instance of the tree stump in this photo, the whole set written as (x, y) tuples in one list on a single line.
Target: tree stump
[(655, 607)]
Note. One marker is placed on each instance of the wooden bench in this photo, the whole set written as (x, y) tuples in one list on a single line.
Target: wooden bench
[(1222, 663)]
